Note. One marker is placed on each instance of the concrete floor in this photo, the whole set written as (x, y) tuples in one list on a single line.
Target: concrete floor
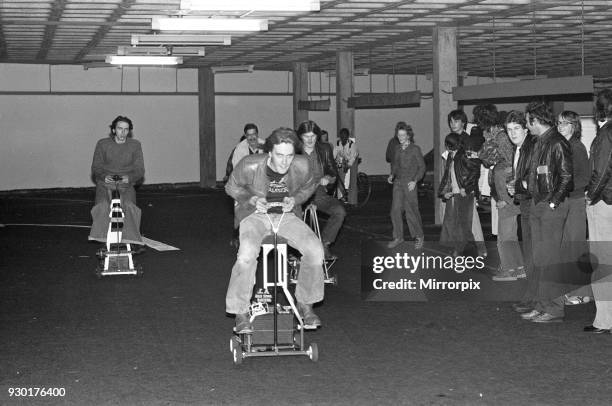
[(163, 339)]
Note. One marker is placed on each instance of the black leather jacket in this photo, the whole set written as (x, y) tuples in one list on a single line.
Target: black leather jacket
[(550, 172), (326, 157), (521, 173), (249, 179), (467, 171), (600, 185)]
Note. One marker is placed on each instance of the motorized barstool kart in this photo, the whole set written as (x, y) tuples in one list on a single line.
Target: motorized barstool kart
[(277, 330), (117, 257), (311, 218)]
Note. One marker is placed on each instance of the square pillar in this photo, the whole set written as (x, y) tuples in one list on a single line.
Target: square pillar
[(300, 92), (444, 79), (345, 116), (206, 113)]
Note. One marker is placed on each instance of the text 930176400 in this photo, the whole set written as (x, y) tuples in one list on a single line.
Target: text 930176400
[(36, 392)]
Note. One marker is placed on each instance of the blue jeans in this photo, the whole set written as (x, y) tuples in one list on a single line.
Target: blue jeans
[(408, 202), (334, 209), (600, 232), (253, 229), (101, 210), (531, 290), (547, 237), (457, 224), (510, 255), (576, 248)]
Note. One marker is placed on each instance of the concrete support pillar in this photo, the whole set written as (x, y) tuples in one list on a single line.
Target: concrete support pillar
[(300, 92), (345, 116), (206, 108), (444, 79)]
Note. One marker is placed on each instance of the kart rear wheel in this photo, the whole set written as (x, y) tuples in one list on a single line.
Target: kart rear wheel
[(237, 355), (234, 343), (313, 352)]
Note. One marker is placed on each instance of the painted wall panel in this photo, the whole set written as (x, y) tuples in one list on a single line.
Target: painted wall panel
[(48, 141)]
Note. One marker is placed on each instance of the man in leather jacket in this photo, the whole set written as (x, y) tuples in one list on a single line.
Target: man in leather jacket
[(325, 172), (521, 159), (599, 214), (467, 171), (270, 189), (549, 182), (600, 185), (457, 188)]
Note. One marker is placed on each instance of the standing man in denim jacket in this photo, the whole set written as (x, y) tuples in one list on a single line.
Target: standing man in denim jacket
[(549, 183)]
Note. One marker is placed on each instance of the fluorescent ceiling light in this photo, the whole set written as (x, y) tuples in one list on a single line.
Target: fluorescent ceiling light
[(143, 60), (188, 51), (208, 24), (161, 50), (175, 39), (247, 5), (151, 51), (232, 69)]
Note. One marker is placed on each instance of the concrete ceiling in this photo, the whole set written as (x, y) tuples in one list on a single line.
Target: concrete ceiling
[(495, 37)]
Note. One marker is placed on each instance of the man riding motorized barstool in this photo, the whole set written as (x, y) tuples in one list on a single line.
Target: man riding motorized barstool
[(257, 182), (325, 173), (118, 164)]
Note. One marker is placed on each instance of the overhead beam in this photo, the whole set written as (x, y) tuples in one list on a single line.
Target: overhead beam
[(103, 30), (57, 9), (3, 46), (77, 23), (287, 22)]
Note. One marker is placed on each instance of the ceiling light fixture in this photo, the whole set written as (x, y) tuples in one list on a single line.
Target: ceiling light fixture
[(143, 60), (247, 5), (233, 69), (188, 51), (163, 50), (174, 39), (208, 24), (150, 51)]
